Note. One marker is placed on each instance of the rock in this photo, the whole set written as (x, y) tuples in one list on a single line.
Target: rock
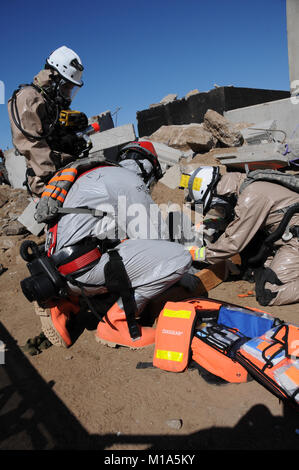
[(6, 243), (206, 159), (155, 105), (168, 99), (184, 136), (199, 139), (191, 93), (14, 228), (172, 177), (174, 423), (3, 199), (2, 269), (223, 130)]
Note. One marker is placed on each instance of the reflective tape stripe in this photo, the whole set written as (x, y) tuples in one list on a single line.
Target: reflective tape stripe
[(56, 189), (63, 178), (177, 313), (49, 186), (196, 185), (169, 355), (68, 174), (196, 252), (70, 170), (46, 194), (184, 181)]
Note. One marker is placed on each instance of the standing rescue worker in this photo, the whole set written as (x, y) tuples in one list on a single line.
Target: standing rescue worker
[(131, 225), (257, 205), (34, 112)]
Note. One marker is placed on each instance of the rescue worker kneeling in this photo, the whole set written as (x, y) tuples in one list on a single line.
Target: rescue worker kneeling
[(133, 270), (258, 202)]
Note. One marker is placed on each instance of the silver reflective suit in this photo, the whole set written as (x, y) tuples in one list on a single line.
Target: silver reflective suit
[(152, 262)]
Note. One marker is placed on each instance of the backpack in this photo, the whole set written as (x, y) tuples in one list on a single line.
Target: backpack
[(209, 332), (53, 197), (272, 176), (229, 344), (273, 360)]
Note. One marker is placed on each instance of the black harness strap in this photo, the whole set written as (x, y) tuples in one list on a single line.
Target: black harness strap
[(117, 281)]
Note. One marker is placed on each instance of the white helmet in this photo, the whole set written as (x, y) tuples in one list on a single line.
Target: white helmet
[(67, 63), (200, 184)]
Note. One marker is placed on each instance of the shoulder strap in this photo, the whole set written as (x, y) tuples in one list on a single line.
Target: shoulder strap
[(81, 210), (53, 197), (272, 176), (16, 117)]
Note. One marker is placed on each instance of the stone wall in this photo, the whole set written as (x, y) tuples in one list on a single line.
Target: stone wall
[(192, 108)]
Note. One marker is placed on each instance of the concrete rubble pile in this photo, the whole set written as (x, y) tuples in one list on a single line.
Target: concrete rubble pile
[(215, 141), (12, 232)]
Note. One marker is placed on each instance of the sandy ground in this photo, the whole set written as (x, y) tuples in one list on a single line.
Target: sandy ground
[(91, 396)]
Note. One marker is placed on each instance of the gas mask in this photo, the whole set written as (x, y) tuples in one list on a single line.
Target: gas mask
[(61, 91)]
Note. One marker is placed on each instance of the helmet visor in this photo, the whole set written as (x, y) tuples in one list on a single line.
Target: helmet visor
[(68, 90)]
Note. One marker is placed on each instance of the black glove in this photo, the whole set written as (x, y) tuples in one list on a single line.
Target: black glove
[(189, 282), (263, 275), (72, 144)]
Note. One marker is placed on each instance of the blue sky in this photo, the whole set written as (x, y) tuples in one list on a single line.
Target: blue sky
[(135, 52)]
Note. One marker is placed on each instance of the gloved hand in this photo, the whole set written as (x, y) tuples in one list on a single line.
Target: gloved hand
[(189, 282), (197, 253), (72, 144)]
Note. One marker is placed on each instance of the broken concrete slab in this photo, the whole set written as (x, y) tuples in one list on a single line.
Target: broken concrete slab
[(260, 132), (166, 154), (172, 177), (27, 219), (15, 165), (253, 157), (283, 111), (112, 139)]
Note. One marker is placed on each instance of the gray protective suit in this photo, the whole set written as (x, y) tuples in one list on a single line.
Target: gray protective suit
[(35, 120), (260, 206), (152, 264)]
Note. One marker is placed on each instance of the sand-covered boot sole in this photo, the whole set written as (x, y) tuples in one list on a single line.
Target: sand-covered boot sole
[(48, 328)]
